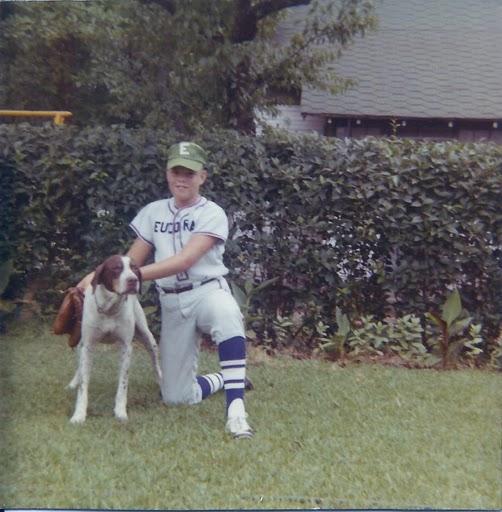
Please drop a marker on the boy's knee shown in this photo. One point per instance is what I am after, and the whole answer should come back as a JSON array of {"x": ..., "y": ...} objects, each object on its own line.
[
  {"x": 227, "y": 329},
  {"x": 189, "y": 395}
]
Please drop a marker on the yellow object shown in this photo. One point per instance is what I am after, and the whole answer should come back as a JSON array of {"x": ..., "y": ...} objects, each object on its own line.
[{"x": 57, "y": 115}]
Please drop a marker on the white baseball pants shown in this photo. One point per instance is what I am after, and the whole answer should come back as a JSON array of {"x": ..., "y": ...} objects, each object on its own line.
[{"x": 209, "y": 309}]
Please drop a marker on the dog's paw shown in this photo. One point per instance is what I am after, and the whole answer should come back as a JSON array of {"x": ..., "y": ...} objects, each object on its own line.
[
  {"x": 121, "y": 415},
  {"x": 77, "y": 419}
]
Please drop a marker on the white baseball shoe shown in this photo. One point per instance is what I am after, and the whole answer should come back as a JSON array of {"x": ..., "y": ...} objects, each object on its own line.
[{"x": 237, "y": 423}]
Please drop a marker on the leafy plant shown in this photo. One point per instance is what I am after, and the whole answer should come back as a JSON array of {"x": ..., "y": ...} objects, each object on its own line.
[
  {"x": 282, "y": 329},
  {"x": 406, "y": 340},
  {"x": 472, "y": 346},
  {"x": 452, "y": 323},
  {"x": 401, "y": 336},
  {"x": 335, "y": 344},
  {"x": 246, "y": 294},
  {"x": 496, "y": 353},
  {"x": 368, "y": 336}
]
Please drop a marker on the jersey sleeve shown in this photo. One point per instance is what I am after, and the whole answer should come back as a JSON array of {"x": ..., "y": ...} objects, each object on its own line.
[
  {"x": 142, "y": 225},
  {"x": 213, "y": 222}
]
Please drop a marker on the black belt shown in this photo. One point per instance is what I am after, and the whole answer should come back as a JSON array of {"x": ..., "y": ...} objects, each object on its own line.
[{"x": 188, "y": 287}]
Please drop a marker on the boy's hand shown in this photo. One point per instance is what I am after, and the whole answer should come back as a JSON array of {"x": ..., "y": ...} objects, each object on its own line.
[{"x": 86, "y": 281}]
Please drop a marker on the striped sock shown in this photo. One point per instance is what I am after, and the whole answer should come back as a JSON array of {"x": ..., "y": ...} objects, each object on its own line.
[
  {"x": 232, "y": 354},
  {"x": 210, "y": 383}
]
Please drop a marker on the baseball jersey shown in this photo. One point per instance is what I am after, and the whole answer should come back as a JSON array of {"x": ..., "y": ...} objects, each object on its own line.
[{"x": 168, "y": 229}]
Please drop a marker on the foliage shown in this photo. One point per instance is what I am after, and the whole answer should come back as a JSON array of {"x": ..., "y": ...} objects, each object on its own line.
[
  {"x": 336, "y": 343},
  {"x": 393, "y": 336},
  {"x": 302, "y": 331},
  {"x": 5, "y": 273},
  {"x": 373, "y": 227},
  {"x": 244, "y": 296},
  {"x": 7, "y": 307},
  {"x": 451, "y": 336},
  {"x": 496, "y": 353},
  {"x": 182, "y": 64},
  {"x": 46, "y": 53},
  {"x": 452, "y": 324}
]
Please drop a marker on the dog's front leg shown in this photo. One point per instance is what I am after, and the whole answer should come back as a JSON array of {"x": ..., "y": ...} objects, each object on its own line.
[
  {"x": 121, "y": 398},
  {"x": 76, "y": 378},
  {"x": 82, "y": 377},
  {"x": 147, "y": 339}
]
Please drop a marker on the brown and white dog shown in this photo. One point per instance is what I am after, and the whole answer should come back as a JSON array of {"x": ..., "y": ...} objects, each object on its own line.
[{"x": 112, "y": 312}]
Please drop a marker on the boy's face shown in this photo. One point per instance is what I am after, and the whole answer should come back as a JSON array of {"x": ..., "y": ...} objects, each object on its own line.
[{"x": 185, "y": 184}]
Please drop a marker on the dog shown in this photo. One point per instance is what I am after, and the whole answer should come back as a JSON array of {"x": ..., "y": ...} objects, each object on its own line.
[{"x": 112, "y": 313}]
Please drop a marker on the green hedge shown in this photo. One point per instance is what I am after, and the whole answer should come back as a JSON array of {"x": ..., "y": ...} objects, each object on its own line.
[{"x": 375, "y": 227}]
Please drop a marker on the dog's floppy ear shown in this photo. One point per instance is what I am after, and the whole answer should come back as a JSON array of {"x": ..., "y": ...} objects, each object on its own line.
[
  {"x": 136, "y": 271},
  {"x": 109, "y": 270},
  {"x": 97, "y": 277}
]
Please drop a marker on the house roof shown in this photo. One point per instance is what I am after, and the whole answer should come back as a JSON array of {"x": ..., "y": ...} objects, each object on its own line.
[{"x": 427, "y": 59}]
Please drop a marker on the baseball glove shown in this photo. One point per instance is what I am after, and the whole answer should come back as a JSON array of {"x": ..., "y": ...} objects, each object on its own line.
[{"x": 69, "y": 317}]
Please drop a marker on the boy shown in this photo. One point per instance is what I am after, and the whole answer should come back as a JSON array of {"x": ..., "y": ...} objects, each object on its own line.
[{"x": 187, "y": 234}]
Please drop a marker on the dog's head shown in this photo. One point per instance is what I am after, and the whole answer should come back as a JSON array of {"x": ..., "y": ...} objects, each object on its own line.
[{"x": 118, "y": 274}]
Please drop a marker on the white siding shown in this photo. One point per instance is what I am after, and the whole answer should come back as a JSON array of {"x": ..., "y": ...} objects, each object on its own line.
[{"x": 290, "y": 118}]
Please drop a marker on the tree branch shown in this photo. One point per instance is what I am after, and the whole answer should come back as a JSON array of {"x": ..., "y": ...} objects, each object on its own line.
[{"x": 267, "y": 7}]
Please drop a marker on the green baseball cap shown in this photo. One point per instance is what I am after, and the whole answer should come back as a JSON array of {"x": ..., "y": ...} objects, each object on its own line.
[{"x": 186, "y": 154}]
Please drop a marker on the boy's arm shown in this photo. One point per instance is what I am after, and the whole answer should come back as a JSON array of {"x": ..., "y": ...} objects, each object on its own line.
[
  {"x": 181, "y": 262},
  {"x": 139, "y": 252}
]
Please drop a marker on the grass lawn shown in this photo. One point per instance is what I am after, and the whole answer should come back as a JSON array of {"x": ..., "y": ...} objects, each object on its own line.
[{"x": 363, "y": 436}]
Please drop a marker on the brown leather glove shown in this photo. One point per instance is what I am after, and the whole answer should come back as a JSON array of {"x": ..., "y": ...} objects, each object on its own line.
[{"x": 69, "y": 317}]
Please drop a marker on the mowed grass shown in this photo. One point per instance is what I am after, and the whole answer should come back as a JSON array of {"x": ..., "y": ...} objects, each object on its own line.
[{"x": 329, "y": 437}]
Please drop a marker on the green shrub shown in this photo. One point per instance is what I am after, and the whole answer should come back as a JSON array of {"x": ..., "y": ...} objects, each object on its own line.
[{"x": 374, "y": 227}]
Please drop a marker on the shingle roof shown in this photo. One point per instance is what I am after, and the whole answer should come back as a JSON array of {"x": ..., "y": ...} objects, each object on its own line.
[{"x": 427, "y": 59}]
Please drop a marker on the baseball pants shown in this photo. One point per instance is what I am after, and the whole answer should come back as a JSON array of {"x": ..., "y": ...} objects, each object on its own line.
[{"x": 209, "y": 309}]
